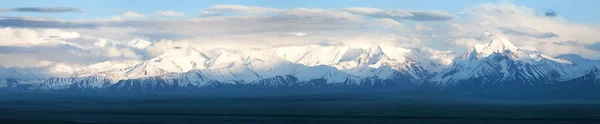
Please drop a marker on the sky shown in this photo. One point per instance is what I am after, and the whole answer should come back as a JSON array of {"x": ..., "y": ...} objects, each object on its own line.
[
  {"x": 40, "y": 33},
  {"x": 573, "y": 10}
]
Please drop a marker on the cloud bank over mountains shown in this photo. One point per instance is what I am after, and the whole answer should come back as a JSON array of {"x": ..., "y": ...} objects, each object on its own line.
[{"x": 32, "y": 42}]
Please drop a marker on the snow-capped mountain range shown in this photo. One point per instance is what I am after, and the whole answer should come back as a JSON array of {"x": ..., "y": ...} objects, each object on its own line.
[{"x": 495, "y": 64}]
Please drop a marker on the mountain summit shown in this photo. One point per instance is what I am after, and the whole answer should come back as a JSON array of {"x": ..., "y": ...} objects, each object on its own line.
[{"x": 498, "y": 45}]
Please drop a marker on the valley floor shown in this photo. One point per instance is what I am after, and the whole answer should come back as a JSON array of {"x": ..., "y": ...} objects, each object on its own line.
[{"x": 302, "y": 108}]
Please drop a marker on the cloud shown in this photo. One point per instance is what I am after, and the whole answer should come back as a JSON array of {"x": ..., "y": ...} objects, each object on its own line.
[
  {"x": 239, "y": 9},
  {"x": 25, "y": 22},
  {"x": 26, "y": 37},
  {"x": 396, "y": 14},
  {"x": 56, "y": 53},
  {"x": 70, "y": 55},
  {"x": 416, "y": 15},
  {"x": 390, "y": 23},
  {"x": 298, "y": 33},
  {"x": 466, "y": 43},
  {"x": 42, "y": 9},
  {"x": 529, "y": 32},
  {"x": 164, "y": 45},
  {"x": 169, "y": 13},
  {"x": 364, "y": 10},
  {"x": 127, "y": 15},
  {"x": 131, "y": 14},
  {"x": 594, "y": 46},
  {"x": 21, "y": 61},
  {"x": 421, "y": 27},
  {"x": 26, "y": 47},
  {"x": 572, "y": 48},
  {"x": 117, "y": 52},
  {"x": 300, "y": 20},
  {"x": 589, "y": 50},
  {"x": 31, "y": 56}
]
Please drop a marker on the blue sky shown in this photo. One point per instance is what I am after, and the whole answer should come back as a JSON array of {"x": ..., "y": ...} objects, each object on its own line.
[{"x": 576, "y": 10}]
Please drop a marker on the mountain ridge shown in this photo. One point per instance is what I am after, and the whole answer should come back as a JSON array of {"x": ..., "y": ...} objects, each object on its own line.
[{"x": 496, "y": 64}]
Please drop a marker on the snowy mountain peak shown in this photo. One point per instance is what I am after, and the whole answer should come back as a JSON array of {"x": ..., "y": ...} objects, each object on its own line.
[
  {"x": 496, "y": 45},
  {"x": 139, "y": 43},
  {"x": 500, "y": 45},
  {"x": 176, "y": 60}
]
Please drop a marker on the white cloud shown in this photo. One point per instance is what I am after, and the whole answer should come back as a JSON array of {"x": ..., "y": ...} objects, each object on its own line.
[
  {"x": 127, "y": 15},
  {"x": 131, "y": 14},
  {"x": 114, "y": 33},
  {"x": 240, "y": 9},
  {"x": 396, "y": 14},
  {"x": 458, "y": 27},
  {"x": 555, "y": 50},
  {"x": 23, "y": 62},
  {"x": 298, "y": 33},
  {"x": 169, "y": 13},
  {"x": 164, "y": 45},
  {"x": 28, "y": 47},
  {"x": 364, "y": 10},
  {"x": 419, "y": 26},
  {"x": 116, "y": 52},
  {"x": 389, "y": 23},
  {"x": 25, "y": 37}
]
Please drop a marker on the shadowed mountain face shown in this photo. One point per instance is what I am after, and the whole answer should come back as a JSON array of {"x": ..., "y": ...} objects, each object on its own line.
[{"x": 496, "y": 65}]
